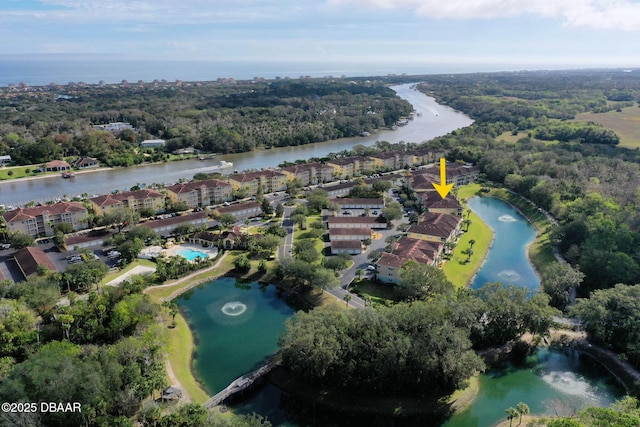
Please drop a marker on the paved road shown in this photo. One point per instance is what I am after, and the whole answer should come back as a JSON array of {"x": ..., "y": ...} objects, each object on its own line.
[{"x": 284, "y": 251}]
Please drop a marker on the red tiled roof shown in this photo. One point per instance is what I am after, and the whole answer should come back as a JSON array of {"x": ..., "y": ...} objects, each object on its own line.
[
  {"x": 57, "y": 164},
  {"x": 329, "y": 188},
  {"x": 30, "y": 258},
  {"x": 22, "y": 214},
  {"x": 205, "y": 235},
  {"x": 361, "y": 201},
  {"x": 433, "y": 200},
  {"x": 436, "y": 224},
  {"x": 71, "y": 241},
  {"x": 453, "y": 169},
  {"x": 422, "y": 181},
  {"x": 384, "y": 155},
  {"x": 112, "y": 199},
  {"x": 251, "y": 176},
  {"x": 178, "y": 219},
  {"x": 407, "y": 249},
  {"x": 355, "y": 220},
  {"x": 346, "y": 244},
  {"x": 84, "y": 160},
  {"x": 235, "y": 208},
  {"x": 188, "y": 187},
  {"x": 342, "y": 161},
  {"x": 299, "y": 168},
  {"x": 350, "y": 231}
]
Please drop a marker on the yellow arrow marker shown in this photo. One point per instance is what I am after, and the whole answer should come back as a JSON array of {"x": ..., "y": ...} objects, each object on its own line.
[{"x": 443, "y": 188}]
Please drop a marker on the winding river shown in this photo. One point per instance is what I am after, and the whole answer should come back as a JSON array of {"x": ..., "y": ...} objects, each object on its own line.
[{"x": 431, "y": 120}]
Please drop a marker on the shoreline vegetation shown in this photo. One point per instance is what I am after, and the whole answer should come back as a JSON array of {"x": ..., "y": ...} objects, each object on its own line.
[
  {"x": 457, "y": 272},
  {"x": 182, "y": 341},
  {"x": 540, "y": 251}
]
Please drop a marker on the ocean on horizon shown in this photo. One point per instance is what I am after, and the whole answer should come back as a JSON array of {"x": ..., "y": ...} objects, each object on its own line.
[{"x": 40, "y": 70}]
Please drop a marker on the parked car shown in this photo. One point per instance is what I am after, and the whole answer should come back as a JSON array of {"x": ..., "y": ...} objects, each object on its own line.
[{"x": 6, "y": 245}]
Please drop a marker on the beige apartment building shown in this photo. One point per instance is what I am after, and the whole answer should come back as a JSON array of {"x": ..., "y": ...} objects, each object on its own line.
[
  {"x": 201, "y": 193},
  {"x": 40, "y": 220},
  {"x": 134, "y": 200}
]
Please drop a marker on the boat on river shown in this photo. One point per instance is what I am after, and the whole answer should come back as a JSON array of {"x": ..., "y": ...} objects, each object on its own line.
[
  {"x": 222, "y": 165},
  {"x": 68, "y": 174}
]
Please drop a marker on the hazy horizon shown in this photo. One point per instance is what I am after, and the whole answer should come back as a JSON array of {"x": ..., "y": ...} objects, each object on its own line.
[{"x": 496, "y": 34}]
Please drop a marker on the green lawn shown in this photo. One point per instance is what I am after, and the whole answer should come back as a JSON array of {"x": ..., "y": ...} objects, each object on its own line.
[
  {"x": 380, "y": 293},
  {"x": 540, "y": 250},
  {"x": 159, "y": 294},
  {"x": 458, "y": 271},
  {"x": 13, "y": 172},
  {"x": 626, "y": 124},
  {"x": 180, "y": 351},
  {"x": 303, "y": 234}
]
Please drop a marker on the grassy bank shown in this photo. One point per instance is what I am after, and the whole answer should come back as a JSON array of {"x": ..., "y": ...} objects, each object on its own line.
[
  {"x": 180, "y": 348},
  {"x": 180, "y": 343},
  {"x": 457, "y": 269},
  {"x": 16, "y": 172}
]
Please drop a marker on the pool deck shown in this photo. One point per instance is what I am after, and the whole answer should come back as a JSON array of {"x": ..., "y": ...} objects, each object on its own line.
[{"x": 174, "y": 250}]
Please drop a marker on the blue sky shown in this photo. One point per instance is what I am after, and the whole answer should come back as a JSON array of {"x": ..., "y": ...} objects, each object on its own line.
[{"x": 504, "y": 33}]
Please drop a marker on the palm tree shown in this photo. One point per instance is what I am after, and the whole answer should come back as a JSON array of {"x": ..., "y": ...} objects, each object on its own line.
[
  {"x": 347, "y": 298},
  {"x": 523, "y": 409},
  {"x": 471, "y": 243},
  {"x": 511, "y": 414},
  {"x": 367, "y": 300}
]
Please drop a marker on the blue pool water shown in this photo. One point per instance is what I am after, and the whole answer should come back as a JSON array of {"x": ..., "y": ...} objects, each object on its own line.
[
  {"x": 192, "y": 254},
  {"x": 507, "y": 261}
]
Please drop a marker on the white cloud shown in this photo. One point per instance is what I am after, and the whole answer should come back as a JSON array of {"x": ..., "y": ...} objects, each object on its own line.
[{"x": 601, "y": 14}]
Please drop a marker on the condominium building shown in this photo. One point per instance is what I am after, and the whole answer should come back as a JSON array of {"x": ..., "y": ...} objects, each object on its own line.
[
  {"x": 201, "y": 193},
  {"x": 268, "y": 180},
  {"x": 134, "y": 200},
  {"x": 40, "y": 220}
]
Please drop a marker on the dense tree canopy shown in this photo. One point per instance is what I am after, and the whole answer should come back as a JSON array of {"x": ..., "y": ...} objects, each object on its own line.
[
  {"x": 395, "y": 353},
  {"x": 213, "y": 117}
]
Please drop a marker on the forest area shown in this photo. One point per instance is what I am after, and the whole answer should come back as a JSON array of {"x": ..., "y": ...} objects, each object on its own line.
[
  {"x": 56, "y": 122},
  {"x": 572, "y": 169},
  {"x": 109, "y": 347}
]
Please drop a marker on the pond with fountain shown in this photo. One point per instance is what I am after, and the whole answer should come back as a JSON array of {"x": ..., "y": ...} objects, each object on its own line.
[{"x": 237, "y": 326}]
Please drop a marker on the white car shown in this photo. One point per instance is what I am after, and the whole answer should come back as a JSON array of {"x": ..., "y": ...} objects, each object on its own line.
[{"x": 371, "y": 267}]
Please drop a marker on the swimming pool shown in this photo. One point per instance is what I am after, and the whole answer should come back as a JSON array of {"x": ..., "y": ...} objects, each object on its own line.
[{"x": 192, "y": 254}]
